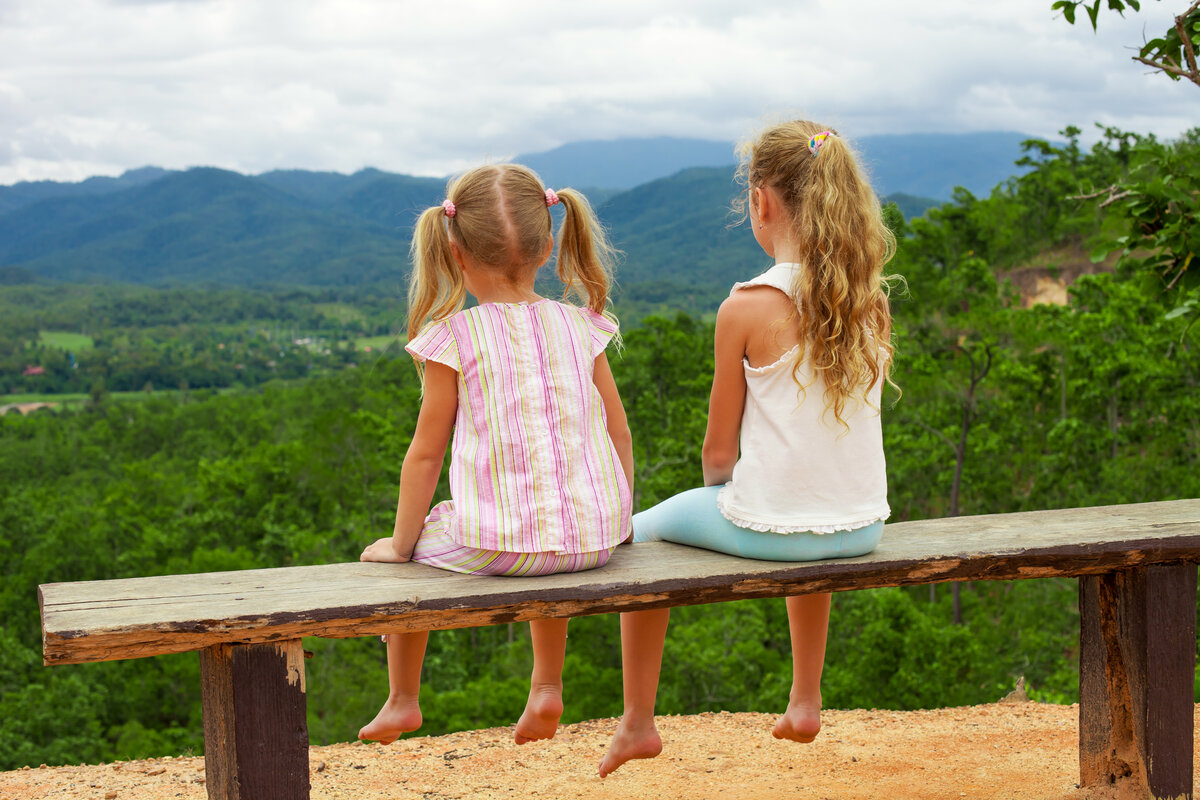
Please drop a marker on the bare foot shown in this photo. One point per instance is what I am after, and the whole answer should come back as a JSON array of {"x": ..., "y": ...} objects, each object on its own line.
[
  {"x": 542, "y": 710},
  {"x": 800, "y": 723},
  {"x": 396, "y": 717},
  {"x": 632, "y": 740}
]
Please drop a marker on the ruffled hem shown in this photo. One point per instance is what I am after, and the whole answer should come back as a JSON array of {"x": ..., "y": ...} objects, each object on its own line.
[{"x": 765, "y": 527}]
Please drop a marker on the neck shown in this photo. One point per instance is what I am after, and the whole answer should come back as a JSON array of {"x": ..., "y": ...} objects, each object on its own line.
[
  {"x": 489, "y": 286},
  {"x": 783, "y": 251}
]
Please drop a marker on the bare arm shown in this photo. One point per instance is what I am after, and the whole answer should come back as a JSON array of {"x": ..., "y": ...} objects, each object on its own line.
[
  {"x": 422, "y": 465},
  {"x": 614, "y": 412},
  {"x": 728, "y": 396}
]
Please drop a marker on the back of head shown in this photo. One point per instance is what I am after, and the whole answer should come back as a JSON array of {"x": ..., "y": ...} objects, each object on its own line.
[
  {"x": 499, "y": 216},
  {"x": 837, "y": 231}
]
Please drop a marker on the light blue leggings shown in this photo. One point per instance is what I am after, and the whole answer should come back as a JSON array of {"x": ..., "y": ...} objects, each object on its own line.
[{"x": 692, "y": 518}]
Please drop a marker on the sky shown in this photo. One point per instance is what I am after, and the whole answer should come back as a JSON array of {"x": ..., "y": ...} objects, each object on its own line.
[{"x": 95, "y": 87}]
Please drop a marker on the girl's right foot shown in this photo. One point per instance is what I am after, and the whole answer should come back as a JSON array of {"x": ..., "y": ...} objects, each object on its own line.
[
  {"x": 396, "y": 717},
  {"x": 542, "y": 711},
  {"x": 800, "y": 723},
  {"x": 632, "y": 740}
]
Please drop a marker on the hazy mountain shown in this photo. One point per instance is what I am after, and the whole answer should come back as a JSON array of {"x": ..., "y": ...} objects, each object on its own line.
[
  {"x": 27, "y": 192},
  {"x": 932, "y": 164},
  {"x": 927, "y": 165},
  {"x": 201, "y": 225},
  {"x": 624, "y": 163},
  {"x": 297, "y": 226}
]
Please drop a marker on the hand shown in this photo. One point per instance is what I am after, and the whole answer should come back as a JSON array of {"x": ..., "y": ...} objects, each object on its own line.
[{"x": 382, "y": 550}]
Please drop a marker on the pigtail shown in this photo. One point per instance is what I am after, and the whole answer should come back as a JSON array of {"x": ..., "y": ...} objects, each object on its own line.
[
  {"x": 436, "y": 289},
  {"x": 585, "y": 257}
]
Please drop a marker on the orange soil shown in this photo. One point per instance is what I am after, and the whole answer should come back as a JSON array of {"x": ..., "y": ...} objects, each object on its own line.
[{"x": 1022, "y": 751}]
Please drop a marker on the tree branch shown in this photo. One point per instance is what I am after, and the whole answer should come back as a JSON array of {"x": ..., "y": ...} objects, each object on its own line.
[
  {"x": 1111, "y": 191},
  {"x": 937, "y": 433},
  {"x": 1168, "y": 64},
  {"x": 1189, "y": 52}
]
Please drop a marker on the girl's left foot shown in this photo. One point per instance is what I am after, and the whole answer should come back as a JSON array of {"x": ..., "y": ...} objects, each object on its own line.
[
  {"x": 395, "y": 718},
  {"x": 800, "y": 723},
  {"x": 540, "y": 720},
  {"x": 635, "y": 738}
]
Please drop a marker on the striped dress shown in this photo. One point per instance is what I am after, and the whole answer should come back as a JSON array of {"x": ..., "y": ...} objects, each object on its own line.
[{"x": 535, "y": 482}]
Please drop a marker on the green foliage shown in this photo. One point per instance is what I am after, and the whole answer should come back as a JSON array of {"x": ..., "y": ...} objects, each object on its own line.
[
  {"x": 1068, "y": 8},
  {"x": 1090, "y": 403}
]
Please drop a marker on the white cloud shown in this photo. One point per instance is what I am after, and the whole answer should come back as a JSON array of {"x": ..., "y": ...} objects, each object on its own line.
[{"x": 90, "y": 87}]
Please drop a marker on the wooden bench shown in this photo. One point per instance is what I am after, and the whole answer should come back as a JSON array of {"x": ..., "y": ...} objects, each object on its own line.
[{"x": 1136, "y": 566}]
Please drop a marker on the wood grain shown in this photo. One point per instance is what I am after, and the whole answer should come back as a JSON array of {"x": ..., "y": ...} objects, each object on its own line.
[
  {"x": 137, "y": 617},
  {"x": 255, "y": 730},
  {"x": 1136, "y": 671}
]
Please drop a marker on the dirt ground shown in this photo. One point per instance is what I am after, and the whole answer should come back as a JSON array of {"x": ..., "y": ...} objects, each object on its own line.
[{"x": 1022, "y": 751}]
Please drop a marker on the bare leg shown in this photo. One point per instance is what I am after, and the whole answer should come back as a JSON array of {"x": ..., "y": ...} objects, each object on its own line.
[
  {"x": 642, "y": 635},
  {"x": 545, "y": 705},
  {"x": 808, "y": 618},
  {"x": 401, "y": 713}
]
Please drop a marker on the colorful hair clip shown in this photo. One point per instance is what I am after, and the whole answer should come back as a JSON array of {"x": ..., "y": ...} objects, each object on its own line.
[
  {"x": 814, "y": 144},
  {"x": 551, "y": 198},
  {"x": 449, "y": 208}
]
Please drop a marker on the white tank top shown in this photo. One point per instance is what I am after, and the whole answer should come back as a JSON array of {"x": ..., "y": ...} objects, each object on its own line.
[{"x": 799, "y": 469}]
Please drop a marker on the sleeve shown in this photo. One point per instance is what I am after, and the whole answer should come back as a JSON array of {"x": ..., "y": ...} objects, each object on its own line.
[
  {"x": 603, "y": 329},
  {"x": 436, "y": 342}
]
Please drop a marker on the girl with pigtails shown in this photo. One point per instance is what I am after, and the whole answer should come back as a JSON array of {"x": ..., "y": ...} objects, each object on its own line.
[
  {"x": 793, "y": 454},
  {"x": 541, "y": 460}
]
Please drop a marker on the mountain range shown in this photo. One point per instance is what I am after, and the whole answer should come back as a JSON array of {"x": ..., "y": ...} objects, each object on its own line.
[{"x": 297, "y": 226}]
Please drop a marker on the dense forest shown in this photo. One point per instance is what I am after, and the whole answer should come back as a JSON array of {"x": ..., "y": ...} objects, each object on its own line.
[{"x": 1005, "y": 406}]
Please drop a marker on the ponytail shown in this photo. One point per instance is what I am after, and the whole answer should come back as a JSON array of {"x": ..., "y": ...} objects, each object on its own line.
[
  {"x": 436, "y": 289},
  {"x": 840, "y": 239},
  {"x": 585, "y": 257}
]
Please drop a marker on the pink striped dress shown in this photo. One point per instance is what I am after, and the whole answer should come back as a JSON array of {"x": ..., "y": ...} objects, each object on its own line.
[{"x": 535, "y": 482}]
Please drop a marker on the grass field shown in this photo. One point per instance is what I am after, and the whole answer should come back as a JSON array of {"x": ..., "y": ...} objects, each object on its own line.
[
  {"x": 379, "y": 343},
  {"x": 66, "y": 341},
  {"x": 340, "y": 311},
  {"x": 68, "y": 399},
  {"x": 6, "y": 399}
]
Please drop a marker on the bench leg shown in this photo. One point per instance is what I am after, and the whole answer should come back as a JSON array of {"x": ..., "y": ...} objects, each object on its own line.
[
  {"x": 255, "y": 729},
  {"x": 1137, "y": 661}
]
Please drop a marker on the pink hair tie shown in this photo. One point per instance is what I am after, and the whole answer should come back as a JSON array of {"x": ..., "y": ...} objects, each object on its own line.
[
  {"x": 449, "y": 208},
  {"x": 815, "y": 143},
  {"x": 551, "y": 197}
]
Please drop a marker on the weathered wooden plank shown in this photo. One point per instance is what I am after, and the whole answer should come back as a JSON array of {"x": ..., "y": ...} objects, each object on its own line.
[
  {"x": 138, "y": 617},
  {"x": 1137, "y": 662},
  {"x": 255, "y": 730}
]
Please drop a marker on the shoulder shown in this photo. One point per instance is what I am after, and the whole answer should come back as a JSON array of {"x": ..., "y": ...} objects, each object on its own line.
[{"x": 754, "y": 305}]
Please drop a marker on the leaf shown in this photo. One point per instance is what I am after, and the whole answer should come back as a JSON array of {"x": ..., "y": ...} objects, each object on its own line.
[
  {"x": 1179, "y": 311},
  {"x": 1100, "y": 253},
  {"x": 1068, "y": 10},
  {"x": 1093, "y": 12}
]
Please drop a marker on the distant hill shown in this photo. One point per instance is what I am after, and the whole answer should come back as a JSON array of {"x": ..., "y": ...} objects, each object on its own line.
[
  {"x": 27, "y": 192},
  {"x": 320, "y": 228},
  {"x": 932, "y": 164},
  {"x": 212, "y": 225},
  {"x": 926, "y": 165},
  {"x": 624, "y": 163},
  {"x": 682, "y": 247}
]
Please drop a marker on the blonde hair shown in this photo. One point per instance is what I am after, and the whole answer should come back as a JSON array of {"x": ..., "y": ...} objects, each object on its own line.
[
  {"x": 844, "y": 322},
  {"x": 502, "y": 220}
]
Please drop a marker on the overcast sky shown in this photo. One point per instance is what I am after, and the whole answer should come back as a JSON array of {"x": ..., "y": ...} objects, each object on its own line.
[{"x": 93, "y": 87}]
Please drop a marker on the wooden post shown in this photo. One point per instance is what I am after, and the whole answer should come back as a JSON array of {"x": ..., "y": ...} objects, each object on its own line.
[
  {"x": 255, "y": 729},
  {"x": 1137, "y": 661}
]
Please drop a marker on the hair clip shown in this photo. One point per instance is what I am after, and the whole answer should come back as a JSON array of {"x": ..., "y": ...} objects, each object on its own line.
[
  {"x": 449, "y": 208},
  {"x": 551, "y": 198},
  {"x": 815, "y": 143}
]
